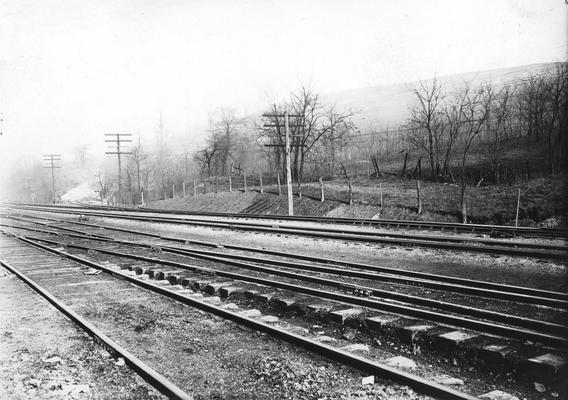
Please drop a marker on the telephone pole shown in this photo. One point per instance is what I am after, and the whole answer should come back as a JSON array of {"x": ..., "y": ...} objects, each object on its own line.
[
  {"x": 51, "y": 160},
  {"x": 287, "y": 147},
  {"x": 28, "y": 181},
  {"x": 118, "y": 140}
]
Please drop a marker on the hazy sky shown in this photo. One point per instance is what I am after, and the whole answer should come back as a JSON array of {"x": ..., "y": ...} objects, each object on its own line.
[{"x": 71, "y": 71}]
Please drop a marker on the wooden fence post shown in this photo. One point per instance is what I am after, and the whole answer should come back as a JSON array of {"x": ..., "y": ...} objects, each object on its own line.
[
  {"x": 194, "y": 188},
  {"x": 142, "y": 197},
  {"x": 350, "y": 192},
  {"x": 245, "y": 179},
  {"x": 173, "y": 190},
  {"x": 518, "y": 204},
  {"x": 418, "y": 196},
  {"x": 279, "y": 186},
  {"x": 261, "y": 188},
  {"x": 230, "y": 184},
  {"x": 183, "y": 187},
  {"x": 299, "y": 189},
  {"x": 381, "y": 191},
  {"x": 322, "y": 195}
]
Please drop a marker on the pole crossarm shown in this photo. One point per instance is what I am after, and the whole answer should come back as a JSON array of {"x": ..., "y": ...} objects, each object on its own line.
[
  {"x": 282, "y": 125},
  {"x": 283, "y": 145},
  {"x": 282, "y": 115}
]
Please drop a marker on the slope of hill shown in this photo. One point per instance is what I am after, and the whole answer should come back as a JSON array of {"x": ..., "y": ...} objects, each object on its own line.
[{"x": 388, "y": 105}]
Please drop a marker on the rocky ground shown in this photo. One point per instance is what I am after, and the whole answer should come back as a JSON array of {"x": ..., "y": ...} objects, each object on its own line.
[
  {"x": 43, "y": 355},
  {"x": 46, "y": 356}
]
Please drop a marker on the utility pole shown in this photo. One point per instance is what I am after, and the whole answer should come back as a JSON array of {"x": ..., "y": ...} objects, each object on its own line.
[
  {"x": 51, "y": 160},
  {"x": 287, "y": 147},
  {"x": 288, "y": 169},
  {"x": 28, "y": 181},
  {"x": 118, "y": 140}
]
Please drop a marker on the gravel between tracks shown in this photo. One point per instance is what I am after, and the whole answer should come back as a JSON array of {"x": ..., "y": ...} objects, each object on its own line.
[
  {"x": 540, "y": 274},
  {"x": 44, "y": 355},
  {"x": 204, "y": 355}
]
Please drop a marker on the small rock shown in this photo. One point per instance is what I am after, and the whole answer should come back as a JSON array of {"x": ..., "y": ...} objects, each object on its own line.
[
  {"x": 448, "y": 380},
  {"x": 53, "y": 385},
  {"x": 539, "y": 387},
  {"x": 119, "y": 362},
  {"x": 368, "y": 380},
  {"x": 253, "y": 313},
  {"x": 92, "y": 271},
  {"x": 498, "y": 395},
  {"x": 356, "y": 347},
  {"x": 34, "y": 383},
  {"x": 349, "y": 335},
  {"x": 269, "y": 319},
  {"x": 74, "y": 390},
  {"x": 402, "y": 363},
  {"x": 52, "y": 360}
]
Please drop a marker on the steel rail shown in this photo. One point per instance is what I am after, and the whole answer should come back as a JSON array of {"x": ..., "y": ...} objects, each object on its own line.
[
  {"x": 376, "y": 276},
  {"x": 469, "y": 286},
  {"x": 521, "y": 230},
  {"x": 482, "y": 326},
  {"x": 154, "y": 378},
  {"x": 245, "y": 225},
  {"x": 441, "y": 305},
  {"x": 487, "y": 293},
  {"x": 362, "y": 236},
  {"x": 363, "y": 364}
]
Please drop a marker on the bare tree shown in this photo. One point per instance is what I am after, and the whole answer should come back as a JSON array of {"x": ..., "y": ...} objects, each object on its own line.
[
  {"x": 556, "y": 115},
  {"x": 498, "y": 128},
  {"x": 312, "y": 121},
  {"x": 136, "y": 168},
  {"x": 472, "y": 119},
  {"x": 102, "y": 184},
  {"x": 337, "y": 138},
  {"x": 205, "y": 158},
  {"x": 427, "y": 118},
  {"x": 224, "y": 135},
  {"x": 81, "y": 154}
]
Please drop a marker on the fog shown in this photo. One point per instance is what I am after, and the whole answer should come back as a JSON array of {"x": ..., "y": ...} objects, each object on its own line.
[{"x": 72, "y": 71}]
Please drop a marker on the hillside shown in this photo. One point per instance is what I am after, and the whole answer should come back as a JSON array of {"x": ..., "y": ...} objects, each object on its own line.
[{"x": 388, "y": 105}]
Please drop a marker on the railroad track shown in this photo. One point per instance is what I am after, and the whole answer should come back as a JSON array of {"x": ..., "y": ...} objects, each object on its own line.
[
  {"x": 503, "y": 230},
  {"x": 452, "y": 243},
  {"x": 288, "y": 268},
  {"x": 23, "y": 262},
  {"x": 552, "y": 334},
  {"x": 229, "y": 270}
]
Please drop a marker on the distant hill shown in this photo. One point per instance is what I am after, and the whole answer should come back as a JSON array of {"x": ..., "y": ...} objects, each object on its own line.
[{"x": 388, "y": 105}]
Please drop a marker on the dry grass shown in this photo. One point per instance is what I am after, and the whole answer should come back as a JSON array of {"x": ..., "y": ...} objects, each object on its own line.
[{"x": 541, "y": 200}]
